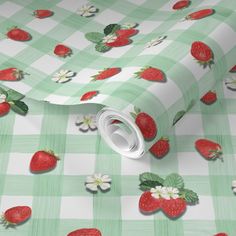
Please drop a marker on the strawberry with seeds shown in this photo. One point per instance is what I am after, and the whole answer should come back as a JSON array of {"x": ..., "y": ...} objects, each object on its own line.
[
  {"x": 151, "y": 74},
  {"x": 233, "y": 69},
  {"x": 86, "y": 232},
  {"x": 221, "y": 234},
  {"x": 4, "y": 108},
  {"x": 145, "y": 123},
  {"x": 208, "y": 149},
  {"x": 200, "y": 14},
  {"x": 89, "y": 95},
  {"x": 126, "y": 33},
  {"x": 209, "y": 98},
  {"x": 16, "y": 215},
  {"x": 18, "y": 34},
  {"x": 118, "y": 42},
  {"x": 181, "y": 4},
  {"x": 11, "y": 74},
  {"x": 106, "y": 73},
  {"x": 160, "y": 148},
  {"x": 174, "y": 208},
  {"x": 62, "y": 50},
  {"x": 43, "y": 161},
  {"x": 41, "y": 14},
  {"x": 202, "y": 53}
]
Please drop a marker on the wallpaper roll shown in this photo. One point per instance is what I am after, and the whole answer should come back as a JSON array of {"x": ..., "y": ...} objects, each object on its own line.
[{"x": 146, "y": 73}]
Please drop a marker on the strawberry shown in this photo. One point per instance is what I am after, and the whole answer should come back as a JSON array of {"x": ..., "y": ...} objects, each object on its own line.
[
  {"x": 202, "y": 53},
  {"x": 42, "y": 13},
  {"x": 4, "y": 108},
  {"x": 233, "y": 69},
  {"x": 89, "y": 95},
  {"x": 209, "y": 98},
  {"x": 160, "y": 148},
  {"x": 120, "y": 41},
  {"x": 199, "y": 14},
  {"x": 148, "y": 204},
  {"x": 151, "y": 74},
  {"x": 11, "y": 74},
  {"x": 181, "y": 4},
  {"x": 18, "y": 34},
  {"x": 16, "y": 215},
  {"x": 221, "y": 234},
  {"x": 208, "y": 149},
  {"x": 106, "y": 73},
  {"x": 43, "y": 161},
  {"x": 145, "y": 123},
  {"x": 85, "y": 232},
  {"x": 174, "y": 208},
  {"x": 126, "y": 33},
  {"x": 62, "y": 50}
]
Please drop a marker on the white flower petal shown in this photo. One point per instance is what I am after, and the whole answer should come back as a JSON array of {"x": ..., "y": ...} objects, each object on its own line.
[
  {"x": 105, "y": 178},
  {"x": 92, "y": 187},
  {"x": 234, "y": 190},
  {"x": 97, "y": 175},
  {"x": 90, "y": 179},
  {"x": 234, "y": 183},
  {"x": 70, "y": 74},
  {"x": 155, "y": 195},
  {"x": 105, "y": 186},
  {"x": 92, "y": 9},
  {"x": 84, "y": 127}
]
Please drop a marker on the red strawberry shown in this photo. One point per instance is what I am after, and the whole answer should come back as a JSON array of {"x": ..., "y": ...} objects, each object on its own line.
[
  {"x": 16, "y": 215},
  {"x": 106, "y": 73},
  {"x": 62, "y": 50},
  {"x": 209, "y": 98},
  {"x": 11, "y": 74},
  {"x": 85, "y": 232},
  {"x": 151, "y": 74},
  {"x": 208, "y": 149},
  {"x": 120, "y": 41},
  {"x": 148, "y": 204},
  {"x": 4, "y": 108},
  {"x": 174, "y": 207},
  {"x": 160, "y": 148},
  {"x": 126, "y": 33},
  {"x": 202, "y": 53},
  {"x": 43, "y": 161},
  {"x": 181, "y": 4},
  {"x": 18, "y": 34},
  {"x": 199, "y": 14},
  {"x": 145, "y": 123},
  {"x": 221, "y": 234},
  {"x": 233, "y": 69},
  {"x": 89, "y": 95},
  {"x": 42, "y": 13}
]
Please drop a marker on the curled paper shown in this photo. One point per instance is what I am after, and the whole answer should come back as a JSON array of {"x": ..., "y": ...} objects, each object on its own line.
[{"x": 155, "y": 69}]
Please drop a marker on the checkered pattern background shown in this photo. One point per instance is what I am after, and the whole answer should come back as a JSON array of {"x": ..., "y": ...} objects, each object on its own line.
[{"x": 59, "y": 200}]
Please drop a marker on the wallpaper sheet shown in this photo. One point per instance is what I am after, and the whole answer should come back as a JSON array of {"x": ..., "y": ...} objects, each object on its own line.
[{"x": 117, "y": 118}]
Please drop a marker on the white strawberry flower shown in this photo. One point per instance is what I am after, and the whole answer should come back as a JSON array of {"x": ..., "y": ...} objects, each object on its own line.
[
  {"x": 129, "y": 25},
  {"x": 86, "y": 122},
  {"x": 172, "y": 192},
  {"x": 234, "y": 186},
  {"x": 3, "y": 98},
  {"x": 155, "y": 42},
  {"x": 165, "y": 192},
  {"x": 230, "y": 83},
  {"x": 98, "y": 181},
  {"x": 110, "y": 38},
  {"x": 158, "y": 192},
  {"x": 63, "y": 76},
  {"x": 87, "y": 10}
]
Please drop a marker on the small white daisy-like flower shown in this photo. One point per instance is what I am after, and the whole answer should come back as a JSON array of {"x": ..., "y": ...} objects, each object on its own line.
[
  {"x": 87, "y": 10},
  {"x": 172, "y": 192},
  {"x": 231, "y": 83},
  {"x": 129, "y": 25},
  {"x": 158, "y": 192},
  {"x": 98, "y": 180},
  {"x": 234, "y": 186},
  {"x": 86, "y": 122},
  {"x": 155, "y": 42},
  {"x": 165, "y": 192},
  {"x": 3, "y": 98},
  {"x": 110, "y": 38},
  {"x": 63, "y": 76}
]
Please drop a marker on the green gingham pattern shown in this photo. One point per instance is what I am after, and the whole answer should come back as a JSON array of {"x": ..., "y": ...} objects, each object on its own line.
[
  {"x": 186, "y": 80},
  {"x": 60, "y": 202}
]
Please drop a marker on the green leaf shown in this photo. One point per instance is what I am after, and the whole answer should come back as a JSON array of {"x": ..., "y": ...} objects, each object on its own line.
[
  {"x": 147, "y": 185},
  {"x": 178, "y": 116},
  {"x": 94, "y": 37},
  {"x": 110, "y": 29},
  {"x": 13, "y": 95},
  {"x": 133, "y": 115},
  {"x": 148, "y": 176},
  {"x": 19, "y": 107},
  {"x": 3, "y": 91},
  {"x": 137, "y": 110},
  {"x": 174, "y": 180},
  {"x": 190, "y": 196},
  {"x": 101, "y": 47}
]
